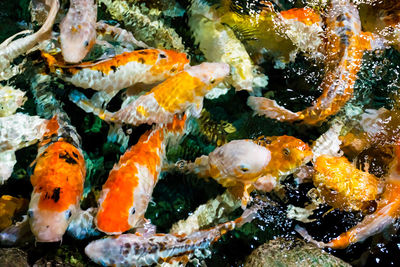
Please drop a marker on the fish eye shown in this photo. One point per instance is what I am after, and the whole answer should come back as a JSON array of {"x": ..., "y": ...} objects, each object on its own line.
[
  {"x": 133, "y": 211},
  {"x": 30, "y": 213},
  {"x": 212, "y": 81},
  {"x": 243, "y": 168},
  {"x": 68, "y": 214},
  {"x": 86, "y": 43},
  {"x": 286, "y": 151}
]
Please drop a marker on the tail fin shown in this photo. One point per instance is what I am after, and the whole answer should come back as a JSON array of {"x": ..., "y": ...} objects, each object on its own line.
[
  {"x": 270, "y": 109},
  {"x": 84, "y": 103}
]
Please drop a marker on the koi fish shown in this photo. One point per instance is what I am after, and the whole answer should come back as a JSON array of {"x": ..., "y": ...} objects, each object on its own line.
[
  {"x": 128, "y": 189},
  {"x": 344, "y": 186},
  {"x": 147, "y": 66},
  {"x": 180, "y": 93},
  {"x": 78, "y": 30},
  {"x": 57, "y": 180},
  {"x": 140, "y": 250},
  {"x": 219, "y": 44},
  {"x": 344, "y": 50},
  {"x": 9, "y": 49},
  {"x": 260, "y": 27},
  {"x": 386, "y": 213},
  {"x": 243, "y": 165}
]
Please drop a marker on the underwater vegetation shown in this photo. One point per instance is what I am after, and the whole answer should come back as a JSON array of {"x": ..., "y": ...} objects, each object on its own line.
[{"x": 199, "y": 133}]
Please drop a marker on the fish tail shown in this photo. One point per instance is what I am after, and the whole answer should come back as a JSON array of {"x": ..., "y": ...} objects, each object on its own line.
[
  {"x": 84, "y": 103},
  {"x": 270, "y": 109}
]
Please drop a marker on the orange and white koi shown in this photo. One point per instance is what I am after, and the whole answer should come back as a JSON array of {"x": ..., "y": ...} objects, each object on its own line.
[
  {"x": 128, "y": 189},
  {"x": 386, "y": 213},
  {"x": 9, "y": 49},
  {"x": 147, "y": 66},
  {"x": 243, "y": 165},
  {"x": 58, "y": 177},
  {"x": 183, "y": 92},
  {"x": 78, "y": 30},
  {"x": 144, "y": 250},
  {"x": 344, "y": 50}
]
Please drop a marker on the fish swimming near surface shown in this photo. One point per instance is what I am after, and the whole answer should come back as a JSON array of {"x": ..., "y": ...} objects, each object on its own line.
[
  {"x": 344, "y": 50},
  {"x": 145, "y": 250},
  {"x": 386, "y": 213},
  {"x": 57, "y": 179},
  {"x": 78, "y": 30},
  {"x": 147, "y": 66},
  {"x": 128, "y": 189},
  {"x": 181, "y": 93},
  {"x": 243, "y": 165}
]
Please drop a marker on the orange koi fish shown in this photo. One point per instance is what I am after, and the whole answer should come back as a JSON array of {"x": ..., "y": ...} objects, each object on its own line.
[
  {"x": 139, "y": 250},
  {"x": 58, "y": 177},
  {"x": 387, "y": 212},
  {"x": 128, "y": 189},
  {"x": 78, "y": 30},
  {"x": 180, "y": 93},
  {"x": 147, "y": 66},
  {"x": 344, "y": 50},
  {"x": 243, "y": 165},
  {"x": 342, "y": 185}
]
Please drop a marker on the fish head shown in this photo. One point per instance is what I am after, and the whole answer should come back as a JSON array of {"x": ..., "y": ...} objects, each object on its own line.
[
  {"x": 48, "y": 225},
  {"x": 240, "y": 161},
  {"x": 168, "y": 62},
  {"x": 287, "y": 153},
  {"x": 210, "y": 74},
  {"x": 76, "y": 41}
]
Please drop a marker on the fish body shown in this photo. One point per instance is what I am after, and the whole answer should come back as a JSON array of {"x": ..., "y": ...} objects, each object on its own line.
[
  {"x": 58, "y": 177},
  {"x": 344, "y": 50},
  {"x": 139, "y": 250},
  {"x": 147, "y": 66},
  {"x": 180, "y": 93},
  {"x": 342, "y": 185},
  {"x": 242, "y": 165},
  {"x": 386, "y": 213},
  {"x": 128, "y": 189},
  {"x": 78, "y": 30}
]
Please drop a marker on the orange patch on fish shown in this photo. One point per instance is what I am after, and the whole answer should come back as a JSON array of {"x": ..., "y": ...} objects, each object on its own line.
[
  {"x": 304, "y": 15},
  {"x": 59, "y": 174}
]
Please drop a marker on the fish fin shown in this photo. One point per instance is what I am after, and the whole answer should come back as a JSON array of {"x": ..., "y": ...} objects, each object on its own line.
[
  {"x": 303, "y": 232},
  {"x": 270, "y": 109},
  {"x": 10, "y": 39},
  {"x": 16, "y": 234},
  {"x": 84, "y": 103},
  {"x": 265, "y": 183},
  {"x": 146, "y": 228},
  {"x": 242, "y": 192}
]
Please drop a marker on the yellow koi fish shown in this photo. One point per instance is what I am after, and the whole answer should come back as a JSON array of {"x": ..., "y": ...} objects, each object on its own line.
[{"x": 180, "y": 93}]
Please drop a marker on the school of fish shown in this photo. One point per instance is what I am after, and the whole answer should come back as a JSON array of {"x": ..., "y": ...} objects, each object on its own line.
[{"x": 168, "y": 90}]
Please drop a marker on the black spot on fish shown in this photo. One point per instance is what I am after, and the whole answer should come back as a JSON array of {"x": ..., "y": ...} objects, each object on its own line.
[
  {"x": 142, "y": 52},
  {"x": 141, "y": 60},
  {"x": 341, "y": 17},
  {"x": 56, "y": 194},
  {"x": 75, "y": 155},
  {"x": 162, "y": 56},
  {"x": 114, "y": 68},
  {"x": 68, "y": 158}
]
